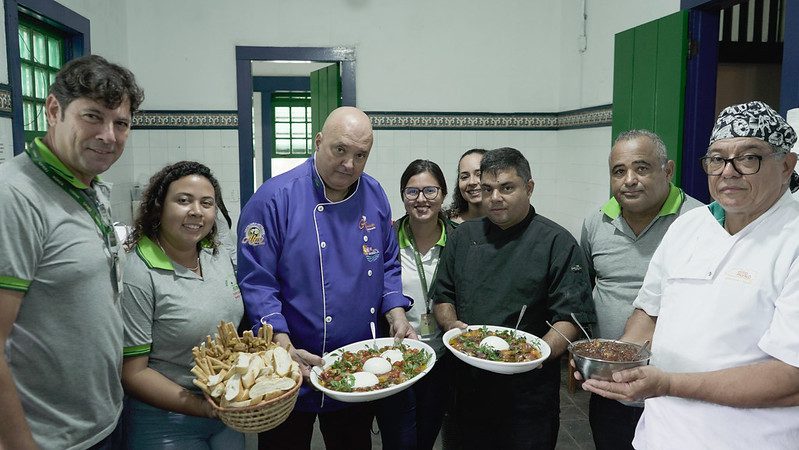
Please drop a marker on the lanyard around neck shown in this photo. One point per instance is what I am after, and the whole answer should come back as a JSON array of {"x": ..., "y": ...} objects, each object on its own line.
[
  {"x": 79, "y": 195},
  {"x": 420, "y": 267}
]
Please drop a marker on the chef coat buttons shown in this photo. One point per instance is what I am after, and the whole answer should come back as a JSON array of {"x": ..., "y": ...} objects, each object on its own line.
[
  {"x": 366, "y": 238},
  {"x": 710, "y": 274},
  {"x": 320, "y": 208},
  {"x": 369, "y": 272},
  {"x": 328, "y": 319},
  {"x": 372, "y": 310},
  {"x": 323, "y": 244}
]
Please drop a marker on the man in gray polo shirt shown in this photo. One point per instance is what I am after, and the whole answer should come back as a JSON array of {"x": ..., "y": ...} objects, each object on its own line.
[
  {"x": 60, "y": 321},
  {"x": 619, "y": 240}
]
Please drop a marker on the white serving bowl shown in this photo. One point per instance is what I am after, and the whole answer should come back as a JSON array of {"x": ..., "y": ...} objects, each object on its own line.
[
  {"x": 499, "y": 366},
  {"x": 357, "y": 397}
]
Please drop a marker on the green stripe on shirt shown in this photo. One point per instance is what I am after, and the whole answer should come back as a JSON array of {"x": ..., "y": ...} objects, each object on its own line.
[
  {"x": 14, "y": 284},
  {"x": 137, "y": 350}
]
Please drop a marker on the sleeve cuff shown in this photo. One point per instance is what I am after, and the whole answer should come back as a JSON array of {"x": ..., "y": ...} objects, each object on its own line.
[
  {"x": 394, "y": 300},
  {"x": 277, "y": 321},
  {"x": 14, "y": 284},
  {"x": 137, "y": 350}
]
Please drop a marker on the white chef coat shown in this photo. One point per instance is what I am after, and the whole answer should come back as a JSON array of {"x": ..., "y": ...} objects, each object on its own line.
[{"x": 723, "y": 301}]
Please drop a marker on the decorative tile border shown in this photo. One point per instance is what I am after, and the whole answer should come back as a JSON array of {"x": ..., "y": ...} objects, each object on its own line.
[
  {"x": 5, "y": 100},
  {"x": 599, "y": 116},
  {"x": 195, "y": 120}
]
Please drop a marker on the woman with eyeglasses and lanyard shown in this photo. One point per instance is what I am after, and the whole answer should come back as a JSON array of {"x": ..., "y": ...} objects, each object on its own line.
[{"x": 422, "y": 233}]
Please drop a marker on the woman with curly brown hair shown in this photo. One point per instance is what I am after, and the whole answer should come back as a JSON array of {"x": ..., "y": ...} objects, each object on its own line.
[{"x": 177, "y": 287}]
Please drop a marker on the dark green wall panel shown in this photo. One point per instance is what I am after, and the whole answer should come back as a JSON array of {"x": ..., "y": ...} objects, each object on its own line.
[{"x": 649, "y": 81}]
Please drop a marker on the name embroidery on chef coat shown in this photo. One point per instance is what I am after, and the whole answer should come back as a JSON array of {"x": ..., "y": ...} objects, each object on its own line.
[
  {"x": 254, "y": 234},
  {"x": 741, "y": 275},
  {"x": 363, "y": 224}
]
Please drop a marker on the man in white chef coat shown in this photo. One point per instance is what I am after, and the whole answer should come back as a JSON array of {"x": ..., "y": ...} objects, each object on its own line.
[{"x": 720, "y": 302}]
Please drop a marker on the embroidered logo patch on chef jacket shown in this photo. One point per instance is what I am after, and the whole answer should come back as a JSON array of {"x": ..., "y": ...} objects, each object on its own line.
[
  {"x": 370, "y": 253},
  {"x": 363, "y": 224},
  {"x": 254, "y": 234}
]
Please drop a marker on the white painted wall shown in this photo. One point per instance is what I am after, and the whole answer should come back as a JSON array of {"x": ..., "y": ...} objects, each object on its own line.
[
  {"x": 3, "y": 54},
  {"x": 448, "y": 55},
  {"x": 587, "y": 78}
]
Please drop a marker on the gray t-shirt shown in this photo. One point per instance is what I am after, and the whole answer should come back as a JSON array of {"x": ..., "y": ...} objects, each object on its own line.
[
  {"x": 618, "y": 259},
  {"x": 168, "y": 309},
  {"x": 64, "y": 349}
]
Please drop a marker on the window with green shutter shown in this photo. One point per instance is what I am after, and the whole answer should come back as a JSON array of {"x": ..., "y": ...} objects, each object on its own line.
[
  {"x": 291, "y": 116},
  {"x": 41, "y": 54}
]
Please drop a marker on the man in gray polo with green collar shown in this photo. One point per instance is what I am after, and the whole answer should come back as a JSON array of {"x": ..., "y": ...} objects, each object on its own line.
[
  {"x": 60, "y": 320},
  {"x": 619, "y": 240}
]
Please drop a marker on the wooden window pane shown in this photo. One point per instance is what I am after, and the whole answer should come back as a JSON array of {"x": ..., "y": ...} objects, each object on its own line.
[
  {"x": 298, "y": 130},
  {"x": 29, "y": 116},
  {"x": 27, "y": 80},
  {"x": 41, "y": 86},
  {"x": 39, "y": 48},
  {"x": 282, "y": 130},
  {"x": 53, "y": 53},
  {"x": 24, "y": 44},
  {"x": 41, "y": 118},
  {"x": 298, "y": 146},
  {"x": 281, "y": 114},
  {"x": 297, "y": 114},
  {"x": 282, "y": 146}
]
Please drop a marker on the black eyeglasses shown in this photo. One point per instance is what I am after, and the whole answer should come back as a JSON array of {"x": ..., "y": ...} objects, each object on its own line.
[
  {"x": 744, "y": 164},
  {"x": 412, "y": 193}
]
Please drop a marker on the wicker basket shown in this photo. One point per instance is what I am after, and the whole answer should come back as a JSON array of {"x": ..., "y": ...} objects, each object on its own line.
[{"x": 261, "y": 417}]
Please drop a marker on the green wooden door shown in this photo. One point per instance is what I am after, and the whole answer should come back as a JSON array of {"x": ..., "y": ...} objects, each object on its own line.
[
  {"x": 325, "y": 95},
  {"x": 649, "y": 71}
]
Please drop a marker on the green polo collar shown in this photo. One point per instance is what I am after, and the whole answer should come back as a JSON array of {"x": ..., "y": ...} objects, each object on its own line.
[
  {"x": 404, "y": 241},
  {"x": 49, "y": 158},
  {"x": 152, "y": 255},
  {"x": 718, "y": 212},
  {"x": 672, "y": 204}
]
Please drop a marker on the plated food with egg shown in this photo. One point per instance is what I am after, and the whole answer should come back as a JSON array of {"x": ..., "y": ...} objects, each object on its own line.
[
  {"x": 372, "y": 369},
  {"x": 497, "y": 349}
]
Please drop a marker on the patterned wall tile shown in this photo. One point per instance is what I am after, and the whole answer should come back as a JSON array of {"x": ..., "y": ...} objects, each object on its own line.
[
  {"x": 186, "y": 120},
  {"x": 5, "y": 99}
]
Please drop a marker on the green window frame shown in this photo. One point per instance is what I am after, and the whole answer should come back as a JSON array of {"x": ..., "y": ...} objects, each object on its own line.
[
  {"x": 41, "y": 54},
  {"x": 291, "y": 125}
]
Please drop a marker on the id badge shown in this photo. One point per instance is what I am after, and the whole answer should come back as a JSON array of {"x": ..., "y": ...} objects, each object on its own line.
[
  {"x": 117, "y": 273},
  {"x": 427, "y": 325}
]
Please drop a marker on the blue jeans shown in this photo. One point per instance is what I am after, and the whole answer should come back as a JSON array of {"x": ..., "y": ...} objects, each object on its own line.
[{"x": 148, "y": 427}]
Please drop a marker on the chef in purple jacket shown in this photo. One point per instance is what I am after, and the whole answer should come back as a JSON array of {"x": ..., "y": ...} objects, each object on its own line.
[{"x": 318, "y": 261}]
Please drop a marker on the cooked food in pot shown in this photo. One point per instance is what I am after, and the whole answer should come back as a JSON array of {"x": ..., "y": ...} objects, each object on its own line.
[
  {"x": 606, "y": 350},
  {"x": 502, "y": 346}
]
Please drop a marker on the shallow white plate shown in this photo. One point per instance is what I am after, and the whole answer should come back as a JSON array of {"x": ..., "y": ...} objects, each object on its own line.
[
  {"x": 499, "y": 366},
  {"x": 357, "y": 397}
]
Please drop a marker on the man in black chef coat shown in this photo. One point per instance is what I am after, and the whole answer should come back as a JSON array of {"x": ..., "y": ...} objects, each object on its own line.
[{"x": 489, "y": 269}]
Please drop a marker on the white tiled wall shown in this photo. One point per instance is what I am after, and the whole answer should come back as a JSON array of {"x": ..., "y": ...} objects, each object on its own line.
[
  {"x": 151, "y": 150},
  {"x": 569, "y": 167}
]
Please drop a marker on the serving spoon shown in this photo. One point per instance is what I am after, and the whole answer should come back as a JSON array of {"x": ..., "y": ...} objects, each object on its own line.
[
  {"x": 558, "y": 331},
  {"x": 374, "y": 335},
  {"x": 581, "y": 327},
  {"x": 641, "y": 350},
  {"x": 518, "y": 322}
]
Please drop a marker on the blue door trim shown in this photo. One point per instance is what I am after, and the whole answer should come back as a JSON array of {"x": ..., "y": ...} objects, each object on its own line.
[{"x": 244, "y": 88}]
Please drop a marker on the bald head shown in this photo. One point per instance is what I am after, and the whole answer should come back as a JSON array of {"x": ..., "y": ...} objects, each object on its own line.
[{"x": 342, "y": 148}]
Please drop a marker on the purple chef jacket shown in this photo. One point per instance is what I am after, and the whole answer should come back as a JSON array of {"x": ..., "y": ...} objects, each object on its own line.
[{"x": 316, "y": 269}]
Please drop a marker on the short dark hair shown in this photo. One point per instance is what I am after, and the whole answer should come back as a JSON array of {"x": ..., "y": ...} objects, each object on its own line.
[
  {"x": 95, "y": 78},
  {"x": 421, "y": 166},
  {"x": 148, "y": 218},
  {"x": 459, "y": 204},
  {"x": 506, "y": 158}
]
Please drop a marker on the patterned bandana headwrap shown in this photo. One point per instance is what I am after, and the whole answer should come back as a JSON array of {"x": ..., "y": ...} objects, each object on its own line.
[{"x": 756, "y": 120}]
